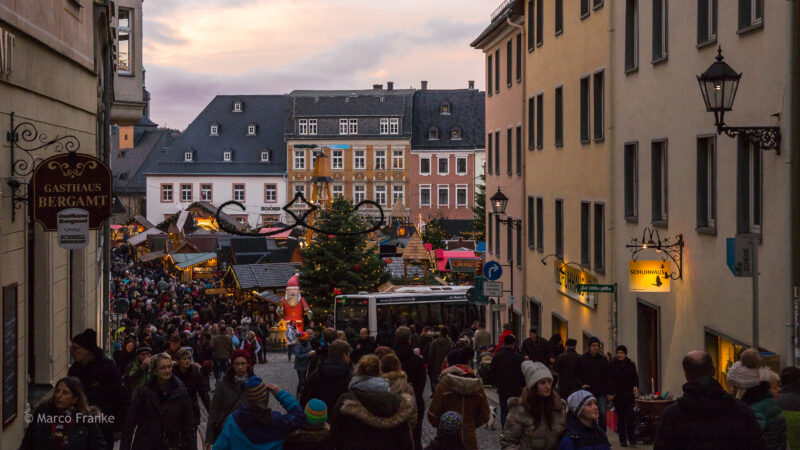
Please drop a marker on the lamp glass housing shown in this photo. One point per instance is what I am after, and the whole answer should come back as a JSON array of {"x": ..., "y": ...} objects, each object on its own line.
[
  {"x": 719, "y": 84},
  {"x": 499, "y": 202}
]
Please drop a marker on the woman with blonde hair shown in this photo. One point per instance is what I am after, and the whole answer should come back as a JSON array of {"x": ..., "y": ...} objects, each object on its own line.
[{"x": 63, "y": 419}]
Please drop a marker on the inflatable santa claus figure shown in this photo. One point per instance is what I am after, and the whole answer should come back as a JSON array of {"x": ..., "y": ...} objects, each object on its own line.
[{"x": 293, "y": 306}]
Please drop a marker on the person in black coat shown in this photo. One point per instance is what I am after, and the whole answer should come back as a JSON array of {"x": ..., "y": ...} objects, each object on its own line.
[
  {"x": 161, "y": 414},
  {"x": 707, "y": 417},
  {"x": 593, "y": 374},
  {"x": 195, "y": 382},
  {"x": 626, "y": 387},
  {"x": 564, "y": 368},
  {"x": 365, "y": 345},
  {"x": 100, "y": 379},
  {"x": 536, "y": 349},
  {"x": 331, "y": 378},
  {"x": 414, "y": 367},
  {"x": 506, "y": 373}
]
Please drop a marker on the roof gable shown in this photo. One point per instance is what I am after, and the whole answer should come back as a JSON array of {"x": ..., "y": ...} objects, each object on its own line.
[{"x": 465, "y": 112}]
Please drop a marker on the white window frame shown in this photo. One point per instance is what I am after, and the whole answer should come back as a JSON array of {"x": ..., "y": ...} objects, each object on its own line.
[
  {"x": 235, "y": 190},
  {"x": 380, "y": 159},
  {"x": 359, "y": 159},
  {"x": 455, "y": 133},
  {"x": 226, "y": 156},
  {"x": 359, "y": 192},
  {"x": 343, "y": 126},
  {"x": 338, "y": 189},
  {"x": 302, "y": 126},
  {"x": 314, "y": 156},
  {"x": 237, "y": 107},
  {"x": 398, "y": 191},
  {"x": 265, "y": 157},
  {"x": 129, "y": 31},
  {"x": 251, "y": 130},
  {"x": 664, "y": 31},
  {"x": 425, "y": 187},
  {"x": 184, "y": 198},
  {"x": 298, "y": 187},
  {"x": 167, "y": 191},
  {"x": 427, "y": 158},
  {"x": 379, "y": 193},
  {"x": 384, "y": 129},
  {"x": 439, "y": 189},
  {"x": 465, "y": 189},
  {"x": 188, "y": 156},
  {"x": 312, "y": 126},
  {"x": 353, "y": 126},
  {"x": 466, "y": 165},
  {"x": 439, "y": 160},
  {"x": 299, "y": 160},
  {"x": 209, "y": 191},
  {"x": 267, "y": 191},
  {"x": 213, "y": 130},
  {"x": 394, "y": 125},
  {"x": 337, "y": 159},
  {"x": 433, "y": 134},
  {"x": 398, "y": 161}
]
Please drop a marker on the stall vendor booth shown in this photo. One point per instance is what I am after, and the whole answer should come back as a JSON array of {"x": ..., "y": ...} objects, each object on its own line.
[
  {"x": 194, "y": 266},
  {"x": 260, "y": 286}
]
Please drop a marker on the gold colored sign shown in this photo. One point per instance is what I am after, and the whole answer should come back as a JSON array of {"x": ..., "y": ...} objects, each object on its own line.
[
  {"x": 568, "y": 278},
  {"x": 649, "y": 276},
  {"x": 213, "y": 291}
]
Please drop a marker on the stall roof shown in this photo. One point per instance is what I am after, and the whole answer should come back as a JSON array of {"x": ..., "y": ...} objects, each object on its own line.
[
  {"x": 441, "y": 261},
  {"x": 184, "y": 260},
  {"x": 264, "y": 276},
  {"x": 281, "y": 235},
  {"x": 270, "y": 297},
  {"x": 151, "y": 256},
  {"x": 142, "y": 237}
]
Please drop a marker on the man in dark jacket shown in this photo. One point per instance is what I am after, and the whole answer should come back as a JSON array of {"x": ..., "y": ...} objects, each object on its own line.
[
  {"x": 506, "y": 372},
  {"x": 100, "y": 379},
  {"x": 536, "y": 349},
  {"x": 593, "y": 373},
  {"x": 365, "y": 345},
  {"x": 437, "y": 351},
  {"x": 707, "y": 417},
  {"x": 564, "y": 368},
  {"x": 414, "y": 367},
  {"x": 626, "y": 386},
  {"x": 331, "y": 378}
]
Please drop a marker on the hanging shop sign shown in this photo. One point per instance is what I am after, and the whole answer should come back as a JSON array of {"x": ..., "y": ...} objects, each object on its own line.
[
  {"x": 649, "y": 276},
  {"x": 567, "y": 281},
  {"x": 67, "y": 181}
]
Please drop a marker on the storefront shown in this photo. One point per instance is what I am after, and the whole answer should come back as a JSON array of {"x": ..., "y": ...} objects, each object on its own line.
[{"x": 194, "y": 266}]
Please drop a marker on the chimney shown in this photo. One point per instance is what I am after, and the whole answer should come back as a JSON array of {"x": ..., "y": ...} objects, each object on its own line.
[
  {"x": 390, "y": 85},
  {"x": 424, "y": 85},
  {"x": 377, "y": 86},
  {"x": 471, "y": 84}
]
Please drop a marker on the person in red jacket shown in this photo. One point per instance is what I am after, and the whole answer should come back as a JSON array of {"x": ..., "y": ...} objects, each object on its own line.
[{"x": 506, "y": 332}]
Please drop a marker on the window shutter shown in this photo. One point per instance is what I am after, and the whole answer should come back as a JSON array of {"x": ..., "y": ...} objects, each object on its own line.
[
  {"x": 584, "y": 7},
  {"x": 702, "y": 21},
  {"x": 531, "y": 134},
  {"x": 539, "y": 21},
  {"x": 744, "y": 14},
  {"x": 702, "y": 183},
  {"x": 658, "y": 29},
  {"x": 742, "y": 187},
  {"x": 630, "y": 34},
  {"x": 489, "y": 155},
  {"x": 530, "y": 25},
  {"x": 599, "y": 105},
  {"x": 584, "y": 110},
  {"x": 497, "y": 153},
  {"x": 559, "y": 16}
]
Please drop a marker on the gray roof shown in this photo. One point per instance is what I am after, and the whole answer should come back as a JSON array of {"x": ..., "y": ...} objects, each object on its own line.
[
  {"x": 466, "y": 111},
  {"x": 263, "y": 276},
  {"x": 130, "y": 165},
  {"x": 510, "y": 9},
  {"x": 266, "y": 112}
]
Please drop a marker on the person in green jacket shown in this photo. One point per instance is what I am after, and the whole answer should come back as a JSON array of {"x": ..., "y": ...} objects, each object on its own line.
[
  {"x": 763, "y": 401},
  {"x": 138, "y": 371}
]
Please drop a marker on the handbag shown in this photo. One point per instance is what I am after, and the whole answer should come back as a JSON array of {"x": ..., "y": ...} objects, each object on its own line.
[{"x": 220, "y": 422}]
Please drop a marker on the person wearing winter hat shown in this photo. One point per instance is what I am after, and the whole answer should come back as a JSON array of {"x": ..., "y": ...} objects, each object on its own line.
[
  {"x": 583, "y": 429},
  {"x": 743, "y": 374},
  {"x": 254, "y": 425},
  {"x": 593, "y": 373},
  {"x": 538, "y": 406},
  {"x": 302, "y": 358},
  {"x": 505, "y": 373},
  {"x": 315, "y": 433},
  {"x": 228, "y": 393},
  {"x": 626, "y": 386},
  {"x": 448, "y": 434}
]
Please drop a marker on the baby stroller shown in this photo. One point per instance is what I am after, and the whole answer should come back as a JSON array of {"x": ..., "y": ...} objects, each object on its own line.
[{"x": 484, "y": 364}]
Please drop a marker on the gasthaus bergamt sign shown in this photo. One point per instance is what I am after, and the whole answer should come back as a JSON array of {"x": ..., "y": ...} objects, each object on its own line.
[{"x": 71, "y": 181}]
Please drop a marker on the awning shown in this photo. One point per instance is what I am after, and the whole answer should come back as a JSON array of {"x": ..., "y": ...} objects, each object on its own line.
[
  {"x": 151, "y": 256},
  {"x": 283, "y": 234},
  {"x": 270, "y": 297},
  {"x": 186, "y": 260},
  {"x": 443, "y": 258},
  {"x": 142, "y": 237}
]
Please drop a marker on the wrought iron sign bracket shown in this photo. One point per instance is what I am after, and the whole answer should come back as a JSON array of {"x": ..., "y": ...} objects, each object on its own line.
[
  {"x": 671, "y": 248},
  {"x": 767, "y": 138}
]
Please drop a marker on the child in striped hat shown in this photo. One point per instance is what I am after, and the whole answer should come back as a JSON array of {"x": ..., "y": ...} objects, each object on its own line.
[{"x": 316, "y": 433}]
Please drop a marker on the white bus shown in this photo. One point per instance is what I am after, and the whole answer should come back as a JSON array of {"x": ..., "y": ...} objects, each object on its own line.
[{"x": 422, "y": 305}]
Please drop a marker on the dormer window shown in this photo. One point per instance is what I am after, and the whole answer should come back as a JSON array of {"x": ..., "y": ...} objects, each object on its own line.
[
  {"x": 237, "y": 106},
  {"x": 433, "y": 134},
  {"x": 226, "y": 156},
  {"x": 455, "y": 133},
  {"x": 444, "y": 108},
  {"x": 251, "y": 130},
  {"x": 214, "y": 130},
  {"x": 187, "y": 156},
  {"x": 265, "y": 157}
]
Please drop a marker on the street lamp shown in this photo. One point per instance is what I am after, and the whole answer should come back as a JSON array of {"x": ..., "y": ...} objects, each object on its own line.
[
  {"x": 499, "y": 203},
  {"x": 718, "y": 84}
]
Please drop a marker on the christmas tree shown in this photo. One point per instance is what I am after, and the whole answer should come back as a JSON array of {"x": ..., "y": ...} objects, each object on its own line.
[
  {"x": 479, "y": 211},
  {"x": 433, "y": 233},
  {"x": 344, "y": 263}
]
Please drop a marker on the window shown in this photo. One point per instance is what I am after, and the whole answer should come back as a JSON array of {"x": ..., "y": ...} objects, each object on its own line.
[
  {"x": 461, "y": 165},
  {"x": 706, "y": 22},
  {"x": 748, "y": 187},
  {"x": 314, "y": 155},
  {"x": 337, "y": 159},
  {"x": 497, "y": 153},
  {"x": 186, "y": 192},
  {"x": 631, "y": 35},
  {"x": 509, "y": 243},
  {"x": 584, "y": 9},
  {"x": 398, "y": 194},
  {"x": 241, "y": 219},
  {"x": 489, "y": 155},
  {"x": 312, "y": 126},
  {"x": 455, "y": 133},
  {"x": 425, "y": 195},
  {"x": 530, "y": 222},
  {"x": 270, "y": 193},
  {"x": 585, "y": 110},
  {"x": 497, "y": 236},
  {"x": 206, "y": 192},
  {"x": 342, "y": 126},
  {"x": 751, "y": 14},
  {"x": 433, "y": 133},
  {"x": 531, "y": 32},
  {"x": 539, "y": 224},
  {"x": 497, "y": 70},
  {"x": 251, "y": 130},
  {"x": 444, "y": 109},
  {"x": 519, "y": 150},
  {"x": 384, "y": 128},
  {"x": 265, "y": 157},
  {"x": 302, "y": 126},
  {"x": 425, "y": 165},
  {"x": 124, "y": 42},
  {"x": 398, "y": 160},
  {"x": 585, "y": 219},
  {"x": 226, "y": 156},
  {"x": 489, "y": 77},
  {"x": 519, "y": 57},
  {"x": 531, "y": 129},
  {"x": 559, "y": 228},
  {"x": 659, "y": 180},
  {"x": 706, "y": 183},
  {"x": 631, "y": 181},
  {"x": 359, "y": 193},
  {"x": 540, "y": 121},
  {"x": 559, "y": 119},
  {"x": 187, "y": 156},
  {"x": 299, "y": 160},
  {"x": 461, "y": 195},
  {"x": 559, "y": 17},
  {"x": 599, "y": 106},
  {"x": 237, "y": 106},
  {"x": 509, "y": 152},
  {"x": 597, "y": 4},
  {"x": 300, "y": 188},
  {"x": 359, "y": 159},
  {"x": 353, "y": 129},
  {"x": 519, "y": 248},
  {"x": 659, "y": 30},
  {"x": 238, "y": 192},
  {"x": 443, "y": 195},
  {"x": 539, "y": 22},
  {"x": 444, "y": 165},
  {"x": 599, "y": 238},
  {"x": 489, "y": 229},
  {"x": 509, "y": 61},
  {"x": 338, "y": 190},
  {"x": 213, "y": 130},
  {"x": 394, "y": 126},
  {"x": 380, "y": 194}
]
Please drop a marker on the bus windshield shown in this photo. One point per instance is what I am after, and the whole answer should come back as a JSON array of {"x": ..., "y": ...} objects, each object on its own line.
[
  {"x": 352, "y": 314},
  {"x": 456, "y": 315}
]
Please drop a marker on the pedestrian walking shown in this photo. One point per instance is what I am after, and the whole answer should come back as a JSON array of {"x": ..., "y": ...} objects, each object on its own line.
[
  {"x": 254, "y": 425},
  {"x": 262, "y": 332},
  {"x": 789, "y": 396},
  {"x": 593, "y": 374},
  {"x": 221, "y": 350},
  {"x": 437, "y": 351},
  {"x": 161, "y": 414},
  {"x": 506, "y": 332},
  {"x": 506, "y": 374},
  {"x": 228, "y": 394},
  {"x": 54, "y": 423},
  {"x": 196, "y": 384},
  {"x": 707, "y": 417},
  {"x": 138, "y": 372},
  {"x": 448, "y": 433},
  {"x": 535, "y": 348},
  {"x": 332, "y": 378},
  {"x": 583, "y": 429},
  {"x": 538, "y": 418},
  {"x": 251, "y": 345},
  {"x": 315, "y": 433},
  {"x": 291, "y": 337},
  {"x": 556, "y": 347},
  {"x": 414, "y": 367},
  {"x": 564, "y": 368},
  {"x": 626, "y": 387},
  {"x": 481, "y": 339},
  {"x": 302, "y": 356},
  {"x": 365, "y": 345}
]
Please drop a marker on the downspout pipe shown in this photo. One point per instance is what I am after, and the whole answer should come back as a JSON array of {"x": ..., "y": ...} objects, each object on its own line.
[
  {"x": 523, "y": 297},
  {"x": 107, "y": 86},
  {"x": 610, "y": 130},
  {"x": 790, "y": 144}
]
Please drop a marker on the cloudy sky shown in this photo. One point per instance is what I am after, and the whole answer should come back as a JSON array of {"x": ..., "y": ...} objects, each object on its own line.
[{"x": 195, "y": 49}]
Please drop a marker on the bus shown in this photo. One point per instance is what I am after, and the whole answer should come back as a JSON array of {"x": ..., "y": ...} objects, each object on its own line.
[{"x": 406, "y": 305}]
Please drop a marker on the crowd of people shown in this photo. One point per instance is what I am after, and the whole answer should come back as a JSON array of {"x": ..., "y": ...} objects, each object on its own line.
[{"x": 356, "y": 391}]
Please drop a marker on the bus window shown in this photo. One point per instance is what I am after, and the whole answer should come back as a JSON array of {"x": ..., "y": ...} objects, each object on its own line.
[{"x": 351, "y": 316}]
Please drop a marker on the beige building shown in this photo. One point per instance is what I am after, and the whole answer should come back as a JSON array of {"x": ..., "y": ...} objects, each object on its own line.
[
  {"x": 673, "y": 173},
  {"x": 50, "y": 74},
  {"x": 502, "y": 44}
]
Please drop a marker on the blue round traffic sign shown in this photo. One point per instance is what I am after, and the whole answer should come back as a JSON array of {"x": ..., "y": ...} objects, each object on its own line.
[{"x": 492, "y": 270}]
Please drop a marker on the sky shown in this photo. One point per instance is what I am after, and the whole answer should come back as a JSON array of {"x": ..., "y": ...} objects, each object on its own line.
[{"x": 196, "y": 49}]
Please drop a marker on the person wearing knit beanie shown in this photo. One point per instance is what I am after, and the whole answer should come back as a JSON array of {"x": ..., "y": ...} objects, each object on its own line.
[
  {"x": 583, "y": 427},
  {"x": 535, "y": 372},
  {"x": 450, "y": 423},
  {"x": 578, "y": 400},
  {"x": 87, "y": 339},
  {"x": 744, "y": 374},
  {"x": 240, "y": 354},
  {"x": 316, "y": 413},
  {"x": 256, "y": 391}
]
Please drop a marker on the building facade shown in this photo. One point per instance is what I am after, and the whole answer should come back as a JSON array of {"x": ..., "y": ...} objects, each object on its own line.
[
  {"x": 448, "y": 132},
  {"x": 233, "y": 150},
  {"x": 502, "y": 44},
  {"x": 366, "y": 137}
]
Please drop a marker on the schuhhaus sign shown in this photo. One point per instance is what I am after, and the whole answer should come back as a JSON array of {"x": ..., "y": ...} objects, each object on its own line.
[{"x": 75, "y": 182}]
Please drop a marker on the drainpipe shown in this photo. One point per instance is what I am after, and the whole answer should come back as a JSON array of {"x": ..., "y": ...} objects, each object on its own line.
[
  {"x": 522, "y": 297},
  {"x": 107, "y": 82},
  {"x": 610, "y": 213},
  {"x": 793, "y": 77}
]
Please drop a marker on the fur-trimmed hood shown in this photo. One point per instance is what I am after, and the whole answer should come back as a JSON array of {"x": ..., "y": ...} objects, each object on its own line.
[
  {"x": 308, "y": 435},
  {"x": 460, "y": 380},
  {"x": 354, "y": 407},
  {"x": 398, "y": 380}
]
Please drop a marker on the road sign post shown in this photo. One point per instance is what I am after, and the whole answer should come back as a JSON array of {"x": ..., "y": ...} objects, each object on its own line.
[
  {"x": 492, "y": 270},
  {"x": 493, "y": 289},
  {"x": 607, "y": 288}
]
